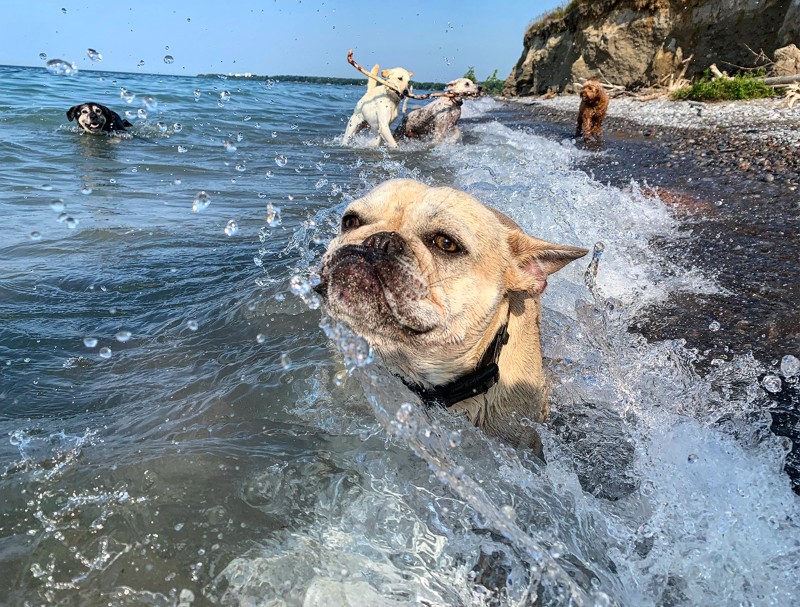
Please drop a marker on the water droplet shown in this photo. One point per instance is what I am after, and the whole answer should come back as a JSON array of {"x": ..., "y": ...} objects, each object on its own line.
[
  {"x": 94, "y": 55},
  {"x": 123, "y": 336},
  {"x": 178, "y": 526},
  {"x": 714, "y": 326},
  {"x": 112, "y": 181},
  {"x": 241, "y": 167},
  {"x": 177, "y": 127},
  {"x": 273, "y": 215},
  {"x": 43, "y": 56},
  {"x": 89, "y": 342},
  {"x": 274, "y": 134},
  {"x": 772, "y": 383},
  {"x": 142, "y": 113},
  {"x": 57, "y": 205},
  {"x": 281, "y": 160},
  {"x": 286, "y": 362},
  {"x": 176, "y": 182},
  {"x": 86, "y": 191},
  {"x": 141, "y": 63},
  {"x": 197, "y": 94},
  {"x": 224, "y": 97},
  {"x": 59, "y": 67},
  {"x": 340, "y": 378},
  {"x": 126, "y": 95},
  {"x": 192, "y": 325},
  {"x": 182, "y": 149},
  {"x": 511, "y": 514},
  {"x": 105, "y": 352},
  {"x": 150, "y": 103},
  {"x": 321, "y": 184},
  {"x": 36, "y": 236},
  {"x": 790, "y": 366},
  {"x": 692, "y": 458},
  {"x": 62, "y": 217},
  {"x": 168, "y": 59},
  {"x": 261, "y": 338},
  {"x": 201, "y": 202},
  {"x": 261, "y": 195},
  {"x": 231, "y": 227},
  {"x": 71, "y": 223},
  {"x": 269, "y": 174},
  {"x": 293, "y": 127},
  {"x": 229, "y": 146},
  {"x": 63, "y": 10},
  {"x": 161, "y": 127}
]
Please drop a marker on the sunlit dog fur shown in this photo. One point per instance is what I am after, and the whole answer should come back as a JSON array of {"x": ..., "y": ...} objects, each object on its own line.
[
  {"x": 97, "y": 118},
  {"x": 438, "y": 120},
  {"x": 592, "y": 111},
  {"x": 378, "y": 108},
  {"x": 428, "y": 276}
]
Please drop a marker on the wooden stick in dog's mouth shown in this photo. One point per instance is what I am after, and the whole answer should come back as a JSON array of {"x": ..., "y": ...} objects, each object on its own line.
[{"x": 400, "y": 94}]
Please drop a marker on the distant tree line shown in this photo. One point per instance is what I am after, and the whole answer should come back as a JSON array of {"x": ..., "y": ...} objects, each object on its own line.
[
  {"x": 427, "y": 86},
  {"x": 491, "y": 86}
]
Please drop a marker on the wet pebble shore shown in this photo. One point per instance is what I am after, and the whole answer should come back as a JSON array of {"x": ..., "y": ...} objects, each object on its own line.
[
  {"x": 731, "y": 173},
  {"x": 755, "y": 139}
]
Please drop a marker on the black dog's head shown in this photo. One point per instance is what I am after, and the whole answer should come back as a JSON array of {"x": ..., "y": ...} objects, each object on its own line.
[{"x": 96, "y": 118}]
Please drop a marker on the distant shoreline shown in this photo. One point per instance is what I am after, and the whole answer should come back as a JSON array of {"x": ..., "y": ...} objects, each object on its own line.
[{"x": 428, "y": 86}]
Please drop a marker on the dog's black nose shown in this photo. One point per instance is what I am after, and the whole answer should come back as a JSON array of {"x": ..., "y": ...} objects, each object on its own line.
[{"x": 388, "y": 242}]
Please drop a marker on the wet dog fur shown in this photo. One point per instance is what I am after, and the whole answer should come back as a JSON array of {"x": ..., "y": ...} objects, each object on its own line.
[
  {"x": 592, "y": 111},
  {"x": 429, "y": 276},
  {"x": 438, "y": 120},
  {"x": 96, "y": 118},
  {"x": 378, "y": 108}
]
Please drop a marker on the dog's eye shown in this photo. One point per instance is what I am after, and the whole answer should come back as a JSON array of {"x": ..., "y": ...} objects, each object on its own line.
[
  {"x": 446, "y": 244},
  {"x": 350, "y": 222}
]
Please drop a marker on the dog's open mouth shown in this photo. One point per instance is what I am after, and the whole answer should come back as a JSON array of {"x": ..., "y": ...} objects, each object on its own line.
[{"x": 375, "y": 290}]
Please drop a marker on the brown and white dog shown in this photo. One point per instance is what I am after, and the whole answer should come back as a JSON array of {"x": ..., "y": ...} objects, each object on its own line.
[
  {"x": 97, "y": 118},
  {"x": 446, "y": 291},
  {"x": 377, "y": 109},
  {"x": 592, "y": 111},
  {"x": 439, "y": 119}
]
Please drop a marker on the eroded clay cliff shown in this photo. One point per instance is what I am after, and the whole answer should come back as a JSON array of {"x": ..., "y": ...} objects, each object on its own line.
[{"x": 636, "y": 43}]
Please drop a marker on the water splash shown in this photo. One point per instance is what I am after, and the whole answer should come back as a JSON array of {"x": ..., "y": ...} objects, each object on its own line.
[{"x": 60, "y": 67}]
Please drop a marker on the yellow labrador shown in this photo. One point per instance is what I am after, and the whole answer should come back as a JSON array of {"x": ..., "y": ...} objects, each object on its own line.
[{"x": 378, "y": 108}]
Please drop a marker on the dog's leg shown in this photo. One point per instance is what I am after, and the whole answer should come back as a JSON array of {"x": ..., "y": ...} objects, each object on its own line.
[
  {"x": 580, "y": 122},
  {"x": 587, "y": 125},
  {"x": 352, "y": 129},
  {"x": 386, "y": 133}
]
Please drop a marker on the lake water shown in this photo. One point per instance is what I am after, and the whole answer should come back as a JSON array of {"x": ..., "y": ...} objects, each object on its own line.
[{"x": 176, "y": 428}]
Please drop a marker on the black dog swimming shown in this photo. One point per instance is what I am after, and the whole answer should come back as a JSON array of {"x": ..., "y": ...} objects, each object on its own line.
[{"x": 97, "y": 118}]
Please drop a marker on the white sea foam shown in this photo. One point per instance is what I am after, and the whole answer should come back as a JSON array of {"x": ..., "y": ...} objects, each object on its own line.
[{"x": 662, "y": 486}]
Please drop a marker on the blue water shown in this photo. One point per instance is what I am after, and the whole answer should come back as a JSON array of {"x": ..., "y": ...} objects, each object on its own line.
[{"x": 221, "y": 452}]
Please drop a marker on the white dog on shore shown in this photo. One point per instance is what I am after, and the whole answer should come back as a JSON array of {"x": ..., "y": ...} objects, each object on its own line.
[{"x": 378, "y": 108}]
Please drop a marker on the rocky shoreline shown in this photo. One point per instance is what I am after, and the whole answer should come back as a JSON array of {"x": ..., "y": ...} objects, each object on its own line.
[{"x": 731, "y": 173}]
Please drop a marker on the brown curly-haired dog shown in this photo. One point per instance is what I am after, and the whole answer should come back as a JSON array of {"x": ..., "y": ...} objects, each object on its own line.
[{"x": 594, "y": 104}]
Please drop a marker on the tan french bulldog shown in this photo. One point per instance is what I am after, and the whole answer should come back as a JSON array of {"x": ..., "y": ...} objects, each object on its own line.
[{"x": 446, "y": 291}]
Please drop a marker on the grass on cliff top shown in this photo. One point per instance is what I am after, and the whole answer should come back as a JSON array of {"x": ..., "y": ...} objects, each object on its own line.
[{"x": 741, "y": 86}]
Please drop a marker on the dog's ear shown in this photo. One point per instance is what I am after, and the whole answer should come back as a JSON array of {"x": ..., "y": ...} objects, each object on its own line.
[
  {"x": 107, "y": 114},
  {"x": 125, "y": 123},
  {"x": 536, "y": 260},
  {"x": 385, "y": 73},
  {"x": 72, "y": 112}
]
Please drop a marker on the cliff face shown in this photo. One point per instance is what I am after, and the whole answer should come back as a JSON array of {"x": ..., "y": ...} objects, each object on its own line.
[{"x": 638, "y": 42}]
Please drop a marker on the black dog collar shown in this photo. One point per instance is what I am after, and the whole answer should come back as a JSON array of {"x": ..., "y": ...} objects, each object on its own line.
[{"x": 477, "y": 382}]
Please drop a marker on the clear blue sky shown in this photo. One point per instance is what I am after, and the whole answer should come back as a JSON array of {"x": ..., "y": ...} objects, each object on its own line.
[{"x": 437, "y": 39}]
